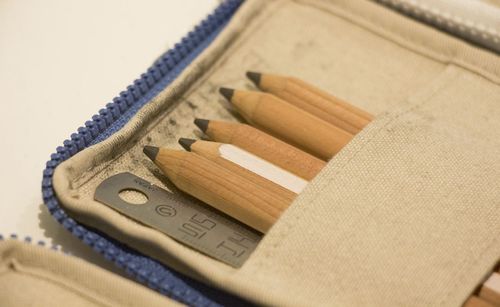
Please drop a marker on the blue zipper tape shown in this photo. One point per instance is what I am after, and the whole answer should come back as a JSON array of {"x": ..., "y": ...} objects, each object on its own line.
[{"x": 109, "y": 120}]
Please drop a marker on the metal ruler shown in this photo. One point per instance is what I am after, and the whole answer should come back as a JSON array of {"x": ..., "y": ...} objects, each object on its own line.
[{"x": 186, "y": 220}]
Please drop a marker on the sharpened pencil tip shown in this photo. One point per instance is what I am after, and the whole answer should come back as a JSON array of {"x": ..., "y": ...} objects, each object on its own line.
[
  {"x": 254, "y": 77},
  {"x": 186, "y": 143},
  {"x": 151, "y": 152},
  {"x": 226, "y": 92},
  {"x": 202, "y": 124}
]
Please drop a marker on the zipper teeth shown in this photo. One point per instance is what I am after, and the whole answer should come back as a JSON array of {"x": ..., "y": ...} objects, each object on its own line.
[
  {"x": 93, "y": 130},
  {"x": 29, "y": 240}
]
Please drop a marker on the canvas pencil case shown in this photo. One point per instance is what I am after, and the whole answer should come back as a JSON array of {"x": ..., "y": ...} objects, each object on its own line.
[
  {"x": 406, "y": 214},
  {"x": 34, "y": 275}
]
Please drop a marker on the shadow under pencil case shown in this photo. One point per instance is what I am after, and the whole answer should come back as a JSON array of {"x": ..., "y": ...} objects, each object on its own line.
[{"x": 406, "y": 214}]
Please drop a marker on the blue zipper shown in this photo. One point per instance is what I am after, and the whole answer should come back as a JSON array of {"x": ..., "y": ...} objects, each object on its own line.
[
  {"x": 28, "y": 240},
  {"x": 109, "y": 120}
]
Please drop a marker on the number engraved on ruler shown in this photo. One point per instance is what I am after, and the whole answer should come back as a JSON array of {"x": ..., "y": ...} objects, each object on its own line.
[
  {"x": 197, "y": 227},
  {"x": 235, "y": 244},
  {"x": 185, "y": 220}
]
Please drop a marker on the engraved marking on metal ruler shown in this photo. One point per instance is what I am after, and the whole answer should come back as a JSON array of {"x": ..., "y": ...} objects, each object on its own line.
[{"x": 188, "y": 221}]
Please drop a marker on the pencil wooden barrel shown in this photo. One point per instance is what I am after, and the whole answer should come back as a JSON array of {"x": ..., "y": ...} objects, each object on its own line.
[
  {"x": 490, "y": 290},
  {"x": 280, "y": 186},
  {"x": 475, "y": 301},
  {"x": 263, "y": 145},
  {"x": 290, "y": 123},
  {"x": 315, "y": 101},
  {"x": 220, "y": 188}
]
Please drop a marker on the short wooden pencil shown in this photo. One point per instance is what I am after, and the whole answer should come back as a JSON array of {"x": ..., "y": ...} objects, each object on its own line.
[
  {"x": 490, "y": 290},
  {"x": 248, "y": 165},
  {"x": 313, "y": 100},
  {"x": 288, "y": 122},
  {"x": 475, "y": 301},
  {"x": 220, "y": 188},
  {"x": 263, "y": 145}
]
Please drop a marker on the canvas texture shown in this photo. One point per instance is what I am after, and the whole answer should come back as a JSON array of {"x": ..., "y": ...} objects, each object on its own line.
[
  {"x": 406, "y": 214},
  {"x": 476, "y": 21},
  {"x": 36, "y": 276}
]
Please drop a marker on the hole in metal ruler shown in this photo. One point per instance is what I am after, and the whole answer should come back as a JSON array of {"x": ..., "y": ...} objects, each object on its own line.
[{"x": 133, "y": 196}]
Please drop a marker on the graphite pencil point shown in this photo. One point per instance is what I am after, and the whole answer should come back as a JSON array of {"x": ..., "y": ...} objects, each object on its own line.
[
  {"x": 202, "y": 124},
  {"x": 186, "y": 143},
  {"x": 226, "y": 92},
  {"x": 151, "y": 152},
  {"x": 254, "y": 77}
]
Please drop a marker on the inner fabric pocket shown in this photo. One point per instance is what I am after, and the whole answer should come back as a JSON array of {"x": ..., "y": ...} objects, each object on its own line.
[
  {"x": 364, "y": 203},
  {"x": 396, "y": 218}
]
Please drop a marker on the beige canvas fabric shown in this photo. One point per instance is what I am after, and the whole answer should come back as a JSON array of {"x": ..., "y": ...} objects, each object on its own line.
[
  {"x": 476, "y": 21},
  {"x": 493, "y": 2},
  {"x": 36, "y": 276},
  {"x": 407, "y": 214}
]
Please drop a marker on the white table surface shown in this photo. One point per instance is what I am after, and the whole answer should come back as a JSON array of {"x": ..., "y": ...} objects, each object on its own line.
[{"x": 60, "y": 62}]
